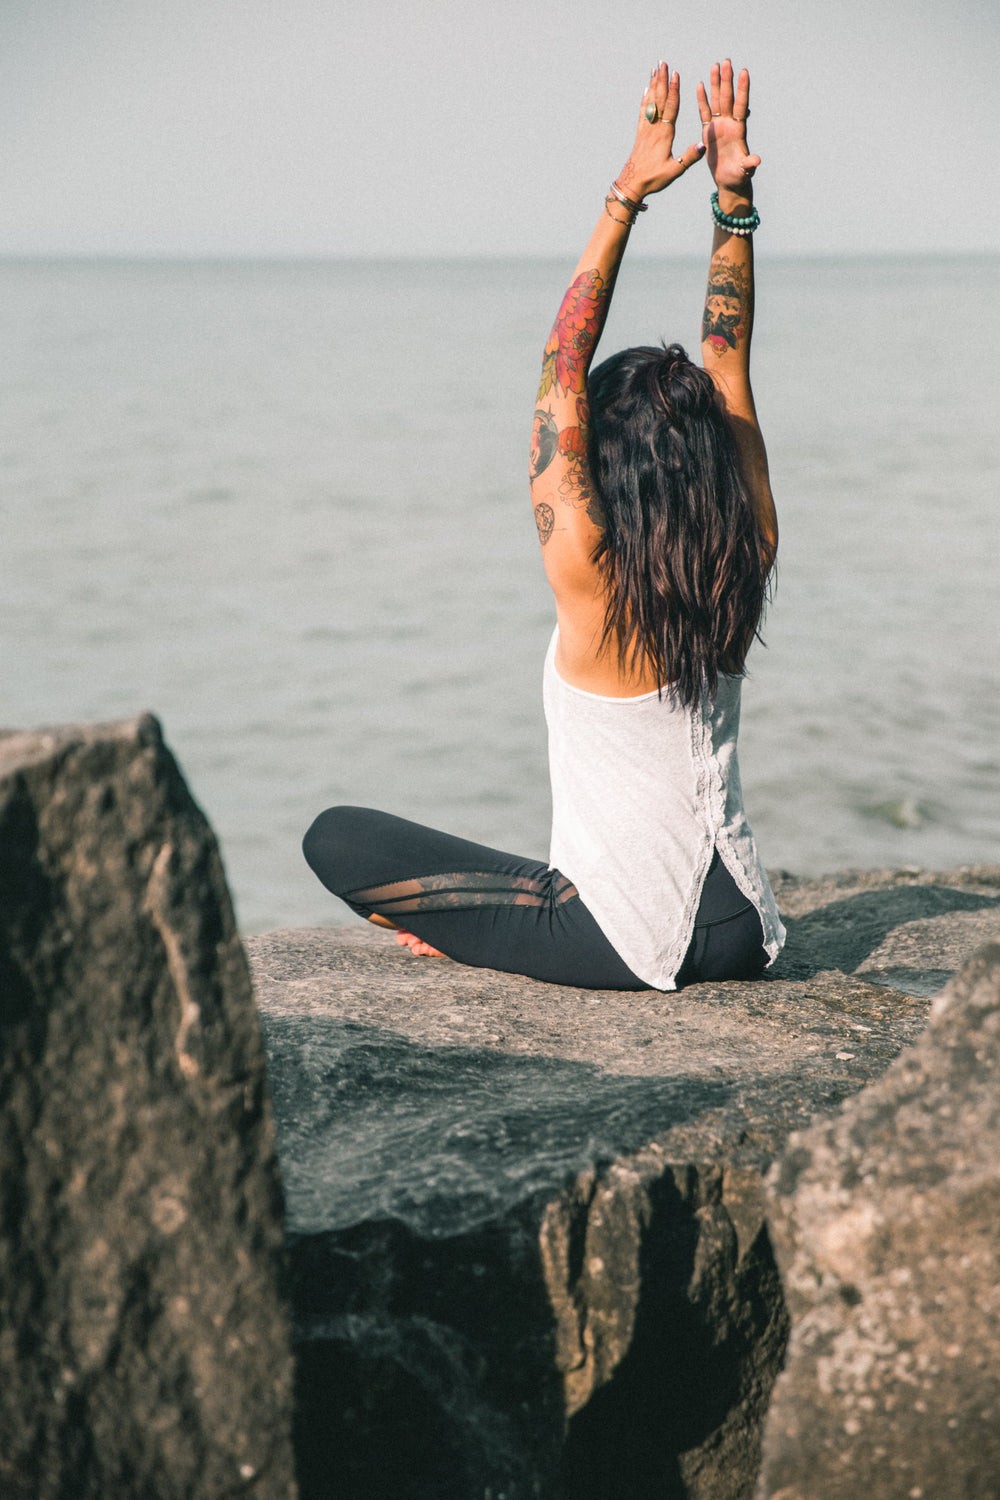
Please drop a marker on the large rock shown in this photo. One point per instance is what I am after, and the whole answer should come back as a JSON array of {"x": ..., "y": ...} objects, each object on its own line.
[
  {"x": 144, "y": 1351},
  {"x": 527, "y": 1233},
  {"x": 887, "y": 1227}
]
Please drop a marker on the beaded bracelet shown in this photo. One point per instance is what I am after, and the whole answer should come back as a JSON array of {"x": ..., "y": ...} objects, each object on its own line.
[
  {"x": 636, "y": 208},
  {"x": 731, "y": 223}
]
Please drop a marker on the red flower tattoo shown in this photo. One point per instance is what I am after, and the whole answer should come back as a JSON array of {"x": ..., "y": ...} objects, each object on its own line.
[{"x": 574, "y": 335}]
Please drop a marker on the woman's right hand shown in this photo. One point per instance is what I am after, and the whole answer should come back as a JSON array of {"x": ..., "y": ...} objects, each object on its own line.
[
  {"x": 652, "y": 165},
  {"x": 723, "y": 118}
]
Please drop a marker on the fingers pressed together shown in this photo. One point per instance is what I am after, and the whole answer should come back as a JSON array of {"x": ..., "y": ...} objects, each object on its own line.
[{"x": 724, "y": 101}]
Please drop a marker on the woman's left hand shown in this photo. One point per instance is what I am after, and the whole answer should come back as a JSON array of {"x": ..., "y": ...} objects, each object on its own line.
[{"x": 652, "y": 165}]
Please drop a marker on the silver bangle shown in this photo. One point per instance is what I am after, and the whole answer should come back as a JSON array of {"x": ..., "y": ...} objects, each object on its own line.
[{"x": 636, "y": 208}]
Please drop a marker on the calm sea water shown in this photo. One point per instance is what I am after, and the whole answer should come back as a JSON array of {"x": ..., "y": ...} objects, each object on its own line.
[{"x": 284, "y": 506}]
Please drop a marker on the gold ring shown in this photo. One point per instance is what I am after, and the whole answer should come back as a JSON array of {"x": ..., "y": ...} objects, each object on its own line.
[{"x": 651, "y": 112}]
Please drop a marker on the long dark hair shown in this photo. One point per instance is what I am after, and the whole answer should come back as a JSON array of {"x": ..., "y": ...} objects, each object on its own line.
[{"x": 685, "y": 563}]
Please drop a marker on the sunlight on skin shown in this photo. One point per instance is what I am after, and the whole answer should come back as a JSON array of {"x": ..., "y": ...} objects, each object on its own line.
[
  {"x": 423, "y": 950},
  {"x": 407, "y": 939}
]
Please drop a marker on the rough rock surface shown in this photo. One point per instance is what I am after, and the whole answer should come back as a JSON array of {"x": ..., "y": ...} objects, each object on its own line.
[
  {"x": 886, "y": 1221},
  {"x": 528, "y": 1251},
  {"x": 144, "y": 1350}
]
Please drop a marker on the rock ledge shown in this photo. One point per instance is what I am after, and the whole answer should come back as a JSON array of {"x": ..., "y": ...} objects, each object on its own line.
[{"x": 527, "y": 1223}]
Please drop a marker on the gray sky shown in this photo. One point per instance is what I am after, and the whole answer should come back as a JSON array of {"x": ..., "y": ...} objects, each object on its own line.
[{"x": 455, "y": 126}]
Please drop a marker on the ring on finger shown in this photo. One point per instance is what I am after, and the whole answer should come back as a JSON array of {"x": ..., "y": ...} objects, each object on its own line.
[{"x": 652, "y": 113}]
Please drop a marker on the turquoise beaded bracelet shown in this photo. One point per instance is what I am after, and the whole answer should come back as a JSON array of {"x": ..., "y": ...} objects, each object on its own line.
[{"x": 731, "y": 223}]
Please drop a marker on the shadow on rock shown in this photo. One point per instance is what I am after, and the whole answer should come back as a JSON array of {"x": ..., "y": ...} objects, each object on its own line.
[
  {"x": 372, "y": 1125},
  {"x": 843, "y": 934},
  {"x": 678, "y": 1416}
]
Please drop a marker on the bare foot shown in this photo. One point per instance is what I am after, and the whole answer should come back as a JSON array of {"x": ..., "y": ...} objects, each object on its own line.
[{"x": 411, "y": 941}]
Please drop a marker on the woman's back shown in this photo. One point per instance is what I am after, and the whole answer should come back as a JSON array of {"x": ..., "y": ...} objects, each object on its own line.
[{"x": 681, "y": 564}]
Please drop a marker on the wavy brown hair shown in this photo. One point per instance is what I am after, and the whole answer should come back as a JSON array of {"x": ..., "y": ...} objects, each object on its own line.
[{"x": 685, "y": 562}]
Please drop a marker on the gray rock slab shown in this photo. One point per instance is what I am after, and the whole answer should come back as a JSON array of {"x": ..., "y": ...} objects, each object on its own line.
[
  {"x": 907, "y": 928},
  {"x": 886, "y": 1220},
  {"x": 529, "y": 1220},
  {"x": 144, "y": 1348}
]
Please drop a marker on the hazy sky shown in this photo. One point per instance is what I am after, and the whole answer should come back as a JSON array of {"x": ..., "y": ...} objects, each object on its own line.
[{"x": 457, "y": 126}]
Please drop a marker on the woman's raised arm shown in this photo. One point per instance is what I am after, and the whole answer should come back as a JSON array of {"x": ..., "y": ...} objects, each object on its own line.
[
  {"x": 727, "y": 322},
  {"x": 567, "y": 509}
]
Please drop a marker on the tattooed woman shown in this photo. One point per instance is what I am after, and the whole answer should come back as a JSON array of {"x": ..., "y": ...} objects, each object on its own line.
[{"x": 650, "y": 489}]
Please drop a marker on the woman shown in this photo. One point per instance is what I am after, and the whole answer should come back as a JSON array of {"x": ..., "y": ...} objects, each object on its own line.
[{"x": 650, "y": 489}]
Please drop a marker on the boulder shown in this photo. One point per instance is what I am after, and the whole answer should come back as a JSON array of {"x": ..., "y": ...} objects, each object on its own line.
[
  {"x": 886, "y": 1222},
  {"x": 144, "y": 1349},
  {"x": 527, "y": 1237}
]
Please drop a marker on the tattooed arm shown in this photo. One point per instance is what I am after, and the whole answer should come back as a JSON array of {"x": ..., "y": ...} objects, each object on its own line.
[
  {"x": 567, "y": 508},
  {"x": 727, "y": 322}
]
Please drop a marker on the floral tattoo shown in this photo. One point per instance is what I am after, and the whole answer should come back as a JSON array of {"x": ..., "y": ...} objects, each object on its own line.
[
  {"x": 568, "y": 353},
  {"x": 723, "y": 322},
  {"x": 574, "y": 335},
  {"x": 626, "y": 176}
]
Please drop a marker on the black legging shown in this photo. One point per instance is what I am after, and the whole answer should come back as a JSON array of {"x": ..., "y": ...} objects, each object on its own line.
[{"x": 495, "y": 911}]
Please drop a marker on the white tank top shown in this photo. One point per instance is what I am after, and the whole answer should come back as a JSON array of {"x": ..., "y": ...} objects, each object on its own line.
[{"x": 643, "y": 790}]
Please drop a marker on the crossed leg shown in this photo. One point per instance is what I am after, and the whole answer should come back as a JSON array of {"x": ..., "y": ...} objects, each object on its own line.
[{"x": 472, "y": 903}]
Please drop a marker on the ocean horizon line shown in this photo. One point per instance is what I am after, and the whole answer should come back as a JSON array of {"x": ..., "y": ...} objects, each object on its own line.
[{"x": 294, "y": 258}]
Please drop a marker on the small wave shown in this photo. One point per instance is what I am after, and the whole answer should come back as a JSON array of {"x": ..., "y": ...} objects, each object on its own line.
[{"x": 900, "y": 812}]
